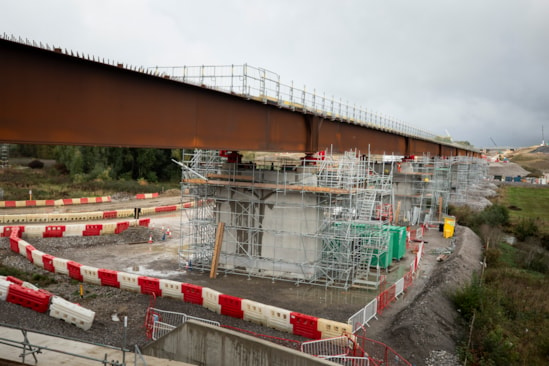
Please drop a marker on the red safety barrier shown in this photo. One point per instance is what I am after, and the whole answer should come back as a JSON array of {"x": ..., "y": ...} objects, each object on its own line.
[
  {"x": 109, "y": 214},
  {"x": 67, "y": 201},
  {"x": 30, "y": 203},
  {"x": 15, "y": 280},
  {"x": 305, "y": 325},
  {"x": 9, "y": 203},
  {"x": 14, "y": 244},
  {"x": 92, "y": 230},
  {"x": 84, "y": 200},
  {"x": 165, "y": 208},
  {"x": 149, "y": 285},
  {"x": 54, "y": 231},
  {"x": 231, "y": 306},
  {"x": 121, "y": 227},
  {"x": 192, "y": 293},
  {"x": 47, "y": 259},
  {"x": 108, "y": 277},
  {"x": 50, "y": 202},
  {"x": 15, "y": 231},
  {"x": 74, "y": 270},
  {"x": 144, "y": 222},
  {"x": 29, "y": 249},
  {"x": 36, "y": 300}
]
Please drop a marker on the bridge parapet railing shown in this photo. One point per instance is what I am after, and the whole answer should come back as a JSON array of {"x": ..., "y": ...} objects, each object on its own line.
[{"x": 260, "y": 84}]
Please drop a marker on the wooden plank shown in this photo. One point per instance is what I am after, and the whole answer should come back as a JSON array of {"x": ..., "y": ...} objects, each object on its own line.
[{"x": 217, "y": 249}]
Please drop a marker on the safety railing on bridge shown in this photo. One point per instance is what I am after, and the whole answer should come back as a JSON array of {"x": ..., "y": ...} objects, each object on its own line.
[{"x": 263, "y": 85}]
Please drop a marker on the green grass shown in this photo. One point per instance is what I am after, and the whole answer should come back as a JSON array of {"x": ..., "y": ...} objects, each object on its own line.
[{"x": 527, "y": 202}]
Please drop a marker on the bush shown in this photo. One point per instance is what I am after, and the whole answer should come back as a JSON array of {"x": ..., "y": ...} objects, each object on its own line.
[
  {"x": 35, "y": 164},
  {"x": 526, "y": 227}
]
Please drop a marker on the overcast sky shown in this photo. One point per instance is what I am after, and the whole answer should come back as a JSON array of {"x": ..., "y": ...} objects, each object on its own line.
[{"x": 476, "y": 69}]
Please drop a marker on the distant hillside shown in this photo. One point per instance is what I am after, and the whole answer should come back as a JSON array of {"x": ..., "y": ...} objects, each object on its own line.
[{"x": 535, "y": 159}]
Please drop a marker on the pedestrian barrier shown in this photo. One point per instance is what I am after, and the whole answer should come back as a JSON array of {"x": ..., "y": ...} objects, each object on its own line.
[
  {"x": 92, "y": 230},
  {"x": 121, "y": 227},
  {"x": 74, "y": 230},
  {"x": 38, "y": 257},
  {"x": 192, "y": 293},
  {"x": 128, "y": 281},
  {"x": 144, "y": 222},
  {"x": 166, "y": 208},
  {"x": 330, "y": 328},
  {"x": 127, "y": 212},
  {"x": 35, "y": 230},
  {"x": 29, "y": 249},
  {"x": 54, "y": 231},
  {"x": 71, "y": 313},
  {"x": 110, "y": 214},
  {"x": 14, "y": 244},
  {"x": 149, "y": 285},
  {"x": 4, "y": 288},
  {"x": 90, "y": 275},
  {"x": 278, "y": 318},
  {"x": 108, "y": 228},
  {"x": 22, "y": 247},
  {"x": 61, "y": 265},
  {"x": 231, "y": 306},
  {"x": 363, "y": 316},
  {"x": 15, "y": 280},
  {"x": 142, "y": 196},
  {"x": 74, "y": 270},
  {"x": 47, "y": 260},
  {"x": 171, "y": 289},
  {"x": 254, "y": 312},
  {"x": 108, "y": 277},
  {"x": 211, "y": 299},
  {"x": 305, "y": 325},
  {"x": 29, "y": 298}
]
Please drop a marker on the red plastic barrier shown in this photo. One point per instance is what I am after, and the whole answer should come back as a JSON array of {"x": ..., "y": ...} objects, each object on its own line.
[
  {"x": 67, "y": 201},
  {"x": 50, "y": 202},
  {"x": 109, "y": 214},
  {"x": 36, "y": 300},
  {"x": 165, "y": 208},
  {"x": 144, "y": 222},
  {"x": 149, "y": 285},
  {"x": 305, "y": 325},
  {"x": 30, "y": 203},
  {"x": 92, "y": 230},
  {"x": 9, "y": 203},
  {"x": 15, "y": 280},
  {"x": 54, "y": 231},
  {"x": 47, "y": 259},
  {"x": 231, "y": 306},
  {"x": 15, "y": 231},
  {"x": 30, "y": 248},
  {"x": 14, "y": 244},
  {"x": 121, "y": 227},
  {"x": 108, "y": 277},
  {"x": 84, "y": 200},
  {"x": 74, "y": 270},
  {"x": 192, "y": 293}
]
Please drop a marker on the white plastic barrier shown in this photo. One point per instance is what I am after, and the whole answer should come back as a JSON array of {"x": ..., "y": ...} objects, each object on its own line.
[
  {"x": 90, "y": 275},
  {"x": 4, "y": 288},
  {"x": 171, "y": 289},
  {"x": 74, "y": 230},
  {"x": 23, "y": 247},
  {"x": 108, "y": 228},
  {"x": 279, "y": 318},
  {"x": 211, "y": 299},
  {"x": 95, "y": 215},
  {"x": 29, "y": 285},
  {"x": 34, "y": 230},
  {"x": 71, "y": 313},
  {"x": 127, "y": 212},
  {"x": 331, "y": 328},
  {"x": 60, "y": 265},
  {"x": 37, "y": 258},
  {"x": 254, "y": 312},
  {"x": 129, "y": 281}
]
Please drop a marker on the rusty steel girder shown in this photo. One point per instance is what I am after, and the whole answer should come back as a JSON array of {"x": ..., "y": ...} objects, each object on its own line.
[{"x": 48, "y": 97}]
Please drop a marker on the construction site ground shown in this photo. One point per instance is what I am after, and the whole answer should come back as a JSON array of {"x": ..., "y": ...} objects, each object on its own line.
[{"x": 422, "y": 325}]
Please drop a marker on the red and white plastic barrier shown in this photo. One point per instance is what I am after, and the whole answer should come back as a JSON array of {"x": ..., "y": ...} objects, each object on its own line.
[{"x": 59, "y": 202}]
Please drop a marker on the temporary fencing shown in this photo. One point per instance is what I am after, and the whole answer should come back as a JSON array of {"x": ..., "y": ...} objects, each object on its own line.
[
  {"x": 60, "y": 202},
  {"x": 160, "y": 322}
]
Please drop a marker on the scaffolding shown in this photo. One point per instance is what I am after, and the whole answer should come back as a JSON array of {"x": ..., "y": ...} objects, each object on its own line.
[
  {"x": 466, "y": 174},
  {"x": 321, "y": 220}
]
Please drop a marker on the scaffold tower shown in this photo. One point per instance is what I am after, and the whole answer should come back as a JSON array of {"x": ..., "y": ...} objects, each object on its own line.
[{"x": 321, "y": 220}]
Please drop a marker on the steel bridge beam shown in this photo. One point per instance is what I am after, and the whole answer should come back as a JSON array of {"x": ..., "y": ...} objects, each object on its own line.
[{"x": 48, "y": 97}]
